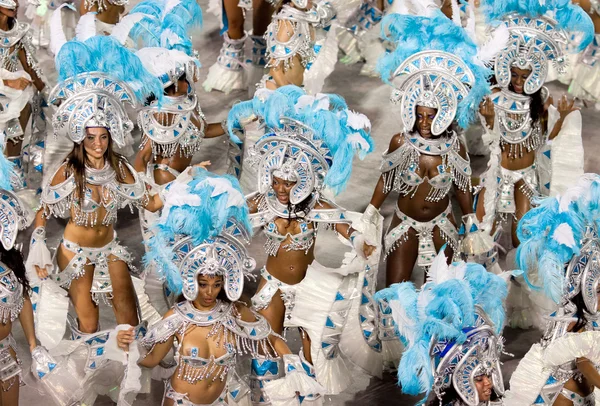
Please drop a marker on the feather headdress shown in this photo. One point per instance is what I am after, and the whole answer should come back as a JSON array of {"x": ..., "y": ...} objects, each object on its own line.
[
  {"x": 326, "y": 135},
  {"x": 204, "y": 210},
  {"x": 460, "y": 307}
]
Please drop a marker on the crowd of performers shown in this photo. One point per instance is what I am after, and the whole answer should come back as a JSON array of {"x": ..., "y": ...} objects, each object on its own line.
[{"x": 467, "y": 77}]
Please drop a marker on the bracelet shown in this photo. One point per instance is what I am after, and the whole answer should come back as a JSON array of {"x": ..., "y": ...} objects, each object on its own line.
[{"x": 38, "y": 234}]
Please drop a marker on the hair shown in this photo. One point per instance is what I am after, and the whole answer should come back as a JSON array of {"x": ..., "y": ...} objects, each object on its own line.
[
  {"x": 78, "y": 158},
  {"x": 580, "y": 314},
  {"x": 14, "y": 260}
]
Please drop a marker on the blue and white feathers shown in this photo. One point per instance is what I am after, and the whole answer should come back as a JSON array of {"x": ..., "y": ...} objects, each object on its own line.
[
  {"x": 198, "y": 207},
  {"x": 443, "y": 310},
  {"x": 340, "y": 131}
]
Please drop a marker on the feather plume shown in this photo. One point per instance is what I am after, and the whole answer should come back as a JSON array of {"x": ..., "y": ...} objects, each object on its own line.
[{"x": 86, "y": 27}]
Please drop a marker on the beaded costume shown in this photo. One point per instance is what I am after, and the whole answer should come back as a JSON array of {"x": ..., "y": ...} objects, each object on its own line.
[
  {"x": 450, "y": 342},
  {"x": 296, "y": 149},
  {"x": 536, "y": 38},
  {"x": 565, "y": 267}
]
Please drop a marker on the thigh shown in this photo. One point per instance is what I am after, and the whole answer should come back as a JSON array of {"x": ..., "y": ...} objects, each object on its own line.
[
  {"x": 275, "y": 311},
  {"x": 124, "y": 299},
  {"x": 438, "y": 241},
  {"x": 24, "y": 117},
  {"x": 400, "y": 262},
  {"x": 80, "y": 292},
  {"x": 479, "y": 207}
]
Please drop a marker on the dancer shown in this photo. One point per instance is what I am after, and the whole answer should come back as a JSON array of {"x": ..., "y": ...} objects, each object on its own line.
[
  {"x": 229, "y": 72},
  {"x": 309, "y": 146},
  {"x": 518, "y": 116},
  {"x": 89, "y": 186},
  {"x": 452, "y": 326},
  {"x": 199, "y": 247},
  {"x": 586, "y": 71},
  {"x": 17, "y": 86},
  {"x": 427, "y": 160},
  {"x": 559, "y": 254}
]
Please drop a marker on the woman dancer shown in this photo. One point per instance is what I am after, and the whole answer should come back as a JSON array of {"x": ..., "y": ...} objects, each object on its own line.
[
  {"x": 453, "y": 334},
  {"x": 309, "y": 146},
  {"x": 199, "y": 247},
  {"x": 93, "y": 182},
  {"x": 16, "y": 85},
  {"x": 426, "y": 161},
  {"x": 14, "y": 287},
  {"x": 559, "y": 253},
  {"x": 518, "y": 111}
]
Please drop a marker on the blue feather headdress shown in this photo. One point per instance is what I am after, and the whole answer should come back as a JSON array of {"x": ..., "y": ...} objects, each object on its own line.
[
  {"x": 460, "y": 307},
  {"x": 560, "y": 231},
  {"x": 435, "y": 63},
  {"x": 206, "y": 210},
  {"x": 330, "y": 134},
  {"x": 96, "y": 78},
  {"x": 538, "y": 35}
]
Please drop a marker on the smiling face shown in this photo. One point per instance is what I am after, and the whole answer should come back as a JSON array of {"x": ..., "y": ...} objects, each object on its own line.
[
  {"x": 483, "y": 383},
  {"x": 282, "y": 189},
  {"x": 518, "y": 77},
  {"x": 425, "y": 116},
  {"x": 96, "y": 142},
  {"x": 209, "y": 288}
]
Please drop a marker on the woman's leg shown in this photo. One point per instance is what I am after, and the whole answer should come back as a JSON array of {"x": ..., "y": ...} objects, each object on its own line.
[
  {"x": 10, "y": 388},
  {"x": 306, "y": 346},
  {"x": 275, "y": 311},
  {"x": 480, "y": 208},
  {"x": 235, "y": 19},
  {"x": 522, "y": 206},
  {"x": 124, "y": 299},
  {"x": 400, "y": 262},
  {"x": 262, "y": 12},
  {"x": 79, "y": 292},
  {"x": 439, "y": 242}
]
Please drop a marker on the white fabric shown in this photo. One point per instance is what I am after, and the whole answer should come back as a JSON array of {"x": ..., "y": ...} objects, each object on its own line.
[
  {"x": 13, "y": 101},
  {"x": 51, "y": 314},
  {"x": 224, "y": 80},
  {"x": 324, "y": 64},
  {"x": 147, "y": 311},
  {"x": 283, "y": 391},
  {"x": 567, "y": 151},
  {"x": 248, "y": 178},
  {"x": 38, "y": 255}
]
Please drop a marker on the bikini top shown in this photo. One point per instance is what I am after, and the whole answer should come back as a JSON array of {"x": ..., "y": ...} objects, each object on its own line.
[
  {"x": 301, "y": 42},
  {"x": 518, "y": 132},
  {"x": 400, "y": 168},
  {"x": 11, "y": 42},
  {"x": 270, "y": 209},
  {"x": 236, "y": 336},
  {"x": 180, "y": 133},
  {"x": 61, "y": 201},
  {"x": 11, "y": 295}
]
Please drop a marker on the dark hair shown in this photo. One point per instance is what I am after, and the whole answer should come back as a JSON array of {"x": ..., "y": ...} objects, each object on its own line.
[
  {"x": 303, "y": 207},
  {"x": 14, "y": 260},
  {"x": 580, "y": 314},
  {"x": 450, "y": 396},
  {"x": 77, "y": 160}
]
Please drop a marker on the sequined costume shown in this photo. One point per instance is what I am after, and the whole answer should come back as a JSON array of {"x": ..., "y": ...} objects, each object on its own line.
[
  {"x": 450, "y": 342},
  {"x": 212, "y": 244},
  {"x": 536, "y": 38},
  {"x": 564, "y": 268},
  {"x": 297, "y": 150}
]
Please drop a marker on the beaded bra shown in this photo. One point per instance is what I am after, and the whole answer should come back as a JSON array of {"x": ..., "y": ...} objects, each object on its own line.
[
  {"x": 61, "y": 200},
  {"x": 400, "y": 168},
  {"x": 236, "y": 336}
]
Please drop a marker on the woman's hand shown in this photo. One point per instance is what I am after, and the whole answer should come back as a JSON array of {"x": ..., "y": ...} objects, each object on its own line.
[
  {"x": 203, "y": 164},
  {"x": 124, "y": 338},
  {"x": 42, "y": 273},
  {"x": 368, "y": 250},
  {"x": 486, "y": 108},
  {"x": 19, "y": 83},
  {"x": 566, "y": 106}
]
